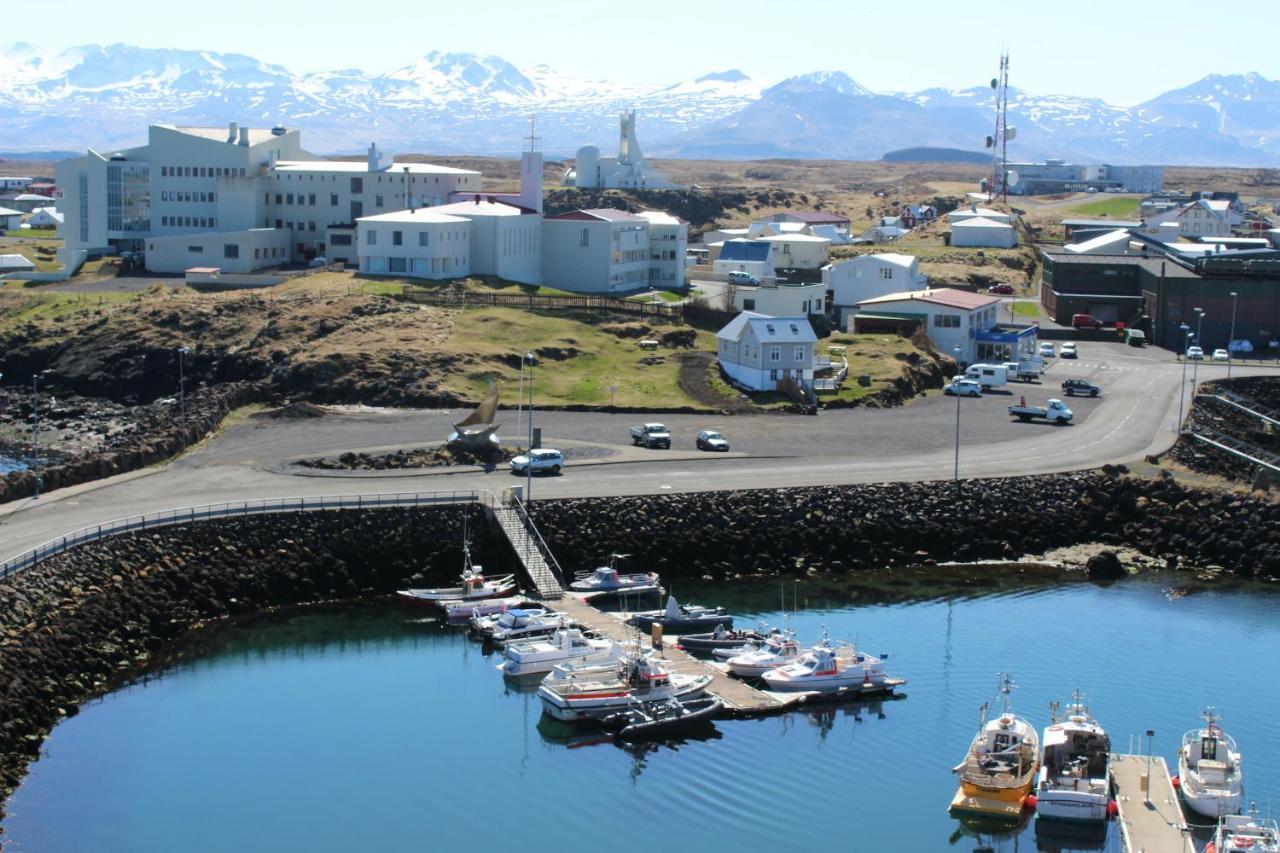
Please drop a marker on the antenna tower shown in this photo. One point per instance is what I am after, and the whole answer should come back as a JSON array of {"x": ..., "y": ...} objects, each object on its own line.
[{"x": 998, "y": 142}]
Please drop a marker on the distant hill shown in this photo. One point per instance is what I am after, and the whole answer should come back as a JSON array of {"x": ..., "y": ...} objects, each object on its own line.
[{"x": 936, "y": 155}]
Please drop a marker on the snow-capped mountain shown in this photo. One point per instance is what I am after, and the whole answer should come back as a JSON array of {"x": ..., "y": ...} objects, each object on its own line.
[{"x": 105, "y": 96}]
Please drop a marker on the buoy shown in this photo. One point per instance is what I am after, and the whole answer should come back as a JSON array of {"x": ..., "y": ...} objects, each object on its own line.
[
  {"x": 1211, "y": 848},
  {"x": 1113, "y": 808},
  {"x": 1177, "y": 783},
  {"x": 1030, "y": 802}
]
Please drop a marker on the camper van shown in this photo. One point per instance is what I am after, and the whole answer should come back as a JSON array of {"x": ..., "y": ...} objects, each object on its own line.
[{"x": 988, "y": 375}]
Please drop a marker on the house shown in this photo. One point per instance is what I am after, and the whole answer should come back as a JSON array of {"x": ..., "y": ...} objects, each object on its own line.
[
  {"x": 832, "y": 234},
  {"x": 10, "y": 219},
  {"x": 781, "y": 299},
  {"x": 1203, "y": 217},
  {"x": 418, "y": 243},
  {"x": 15, "y": 263},
  {"x": 813, "y": 218},
  {"x": 45, "y": 217},
  {"x": 45, "y": 188},
  {"x": 951, "y": 318},
  {"x": 601, "y": 250},
  {"x": 27, "y": 201},
  {"x": 505, "y": 240},
  {"x": 887, "y": 229},
  {"x": 14, "y": 183},
  {"x": 799, "y": 251},
  {"x": 974, "y": 212},
  {"x": 983, "y": 233},
  {"x": 720, "y": 235},
  {"x": 1114, "y": 242},
  {"x": 867, "y": 276},
  {"x": 1078, "y": 230},
  {"x": 755, "y": 257},
  {"x": 668, "y": 246},
  {"x": 629, "y": 170},
  {"x": 756, "y": 350}
]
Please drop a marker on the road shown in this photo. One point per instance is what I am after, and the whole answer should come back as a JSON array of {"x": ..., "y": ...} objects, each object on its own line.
[{"x": 1135, "y": 416}]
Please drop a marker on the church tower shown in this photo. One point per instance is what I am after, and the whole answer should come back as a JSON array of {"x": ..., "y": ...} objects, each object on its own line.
[{"x": 531, "y": 170}]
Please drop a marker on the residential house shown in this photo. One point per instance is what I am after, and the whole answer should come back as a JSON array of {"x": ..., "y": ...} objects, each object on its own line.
[
  {"x": 983, "y": 233},
  {"x": 755, "y": 257},
  {"x": 756, "y": 350},
  {"x": 812, "y": 218},
  {"x": 596, "y": 251},
  {"x": 1200, "y": 218},
  {"x": 866, "y": 276},
  {"x": 951, "y": 318},
  {"x": 45, "y": 217},
  {"x": 974, "y": 212},
  {"x": 887, "y": 229},
  {"x": 14, "y": 183},
  {"x": 799, "y": 251},
  {"x": 781, "y": 299},
  {"x": 27, "y": 201}
]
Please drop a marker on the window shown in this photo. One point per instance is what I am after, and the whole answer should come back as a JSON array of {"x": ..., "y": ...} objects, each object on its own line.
[
  {"x": 267, "y": 198},
  {"x": 333, "y": 199},
  {"x": 371, "y": 237},
  {"x": 584, "y": 239},
  {"x": 397, "y": 238},
  {"x": 786, "y": 248},
  {"x": 946, "y": 321},
  {"x": 242, "y": 171},
  {"x": 357, "y": 185},
  {"x": 773, "y": 375},
  {"x": 377, "y": 201},
  {"x": 775, "y": 353},
  {"x": 397, "y": 265},
  {"x": 279, "y": 198},
  {"x": 288, "y": 199},
  {"x": 886, "y": 273},
  {"x": 211, "y": 198},
  {"x": 748, "y": 305},
  {"x": 196, "y": 250},
  {"x": 230, "y": 250},
  {"x": 311, "y": 199},
  {"x": 311, "y": 226},
  {"x": 339, "y": 239},
  {"x": 424, "y": 238}
]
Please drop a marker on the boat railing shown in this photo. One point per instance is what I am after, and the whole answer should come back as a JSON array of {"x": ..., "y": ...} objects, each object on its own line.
[{"x": 229, "y": 509}]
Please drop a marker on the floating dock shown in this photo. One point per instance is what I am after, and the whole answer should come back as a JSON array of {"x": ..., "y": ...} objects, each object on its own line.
[{"x": 1154, "y": 826}]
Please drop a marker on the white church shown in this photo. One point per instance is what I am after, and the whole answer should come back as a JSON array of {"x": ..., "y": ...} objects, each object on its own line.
[{"x": 629, "y": 170}]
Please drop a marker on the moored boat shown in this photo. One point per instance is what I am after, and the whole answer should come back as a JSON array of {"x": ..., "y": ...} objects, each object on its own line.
[
  {"x": 533, "y": 657},
  {"x": 1240, "y": 833},
  {"x": 677, "y": 618},
  {"x": 1210, "y": 770},
  {"x": 638, "y": 679},
  {"x": 777, "y": 651},
  {"x": 648, "y": 720},
  {"x": 1000, "y": 766},
  {"x": 518, "y": 625},
  {"x": 460, "y": 610},
  {"x": 1074, "y": 783},
  {"x": 607, "y": 579},
  {"x": 732, "y": 640},
  {"x": 830, "y": 671},
  {"x": 473, "y": 585}
]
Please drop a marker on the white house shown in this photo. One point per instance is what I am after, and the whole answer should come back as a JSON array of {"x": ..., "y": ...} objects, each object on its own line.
[
  {"x": 1108, "y": 243},
  {"x": 756, "y": 350},
  {"x": 10, "y": 219},
  {"x": 887, "y": 229},
  {"x": 1200, "y": 218},
  {"x": 29, "y": 201},
  {"x": 720, "y": 235},
  {"x": 781, "y": 300},
  {"x": 974, "y": 212},
  {"x": 417, "y": 243},
  {"x": 629, "y": 170},
  {"x": 668, "y": 245},
  {"x": 755, "y": 257},
  {"x": 812, "y": 218},
  {"x": 9, "y": 183},
  {"x": 799, "y": 251},
  {"x": 983, "y": 233},
  {"x": 596, "y": 251},
  {"x": 506, "y": 240},
  {"x": 865, "y": 276},
  {"x": 950, "y": 317},
  {"x": 45, "y": 217}
]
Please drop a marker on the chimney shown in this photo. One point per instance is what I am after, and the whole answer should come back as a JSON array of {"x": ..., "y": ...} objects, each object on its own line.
[
  {"x": 232, "y": 132},
  {"x": 244, "y": 136}
]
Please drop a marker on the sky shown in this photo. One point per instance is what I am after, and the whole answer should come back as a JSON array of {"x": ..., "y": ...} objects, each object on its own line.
[{"x": 1122, "y": 52}]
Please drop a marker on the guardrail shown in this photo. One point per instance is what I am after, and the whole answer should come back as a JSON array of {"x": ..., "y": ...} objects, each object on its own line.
[
  {"x": 186, "y": 515},
  {"x": 532, "y": 530}
]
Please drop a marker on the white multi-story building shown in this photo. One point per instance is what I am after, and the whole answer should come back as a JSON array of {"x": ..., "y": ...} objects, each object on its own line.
[
  {"x": 668, "y": 245},
  {"x": 1200, "y": 218},
  {"x": 419, "y": 243},
  {"x": 867, "y": 276},
  {"x": 596, "y": 251}
]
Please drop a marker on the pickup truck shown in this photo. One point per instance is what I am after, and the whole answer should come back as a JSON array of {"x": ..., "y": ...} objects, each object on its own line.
[
  {"x": 651, "y": 435},
  {"x": 1055, "y": 412}
]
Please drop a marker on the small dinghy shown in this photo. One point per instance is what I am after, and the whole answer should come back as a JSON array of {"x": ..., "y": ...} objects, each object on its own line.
[
  {"x": 681, "y": 619},
  {"x": 648, "y": 720}
]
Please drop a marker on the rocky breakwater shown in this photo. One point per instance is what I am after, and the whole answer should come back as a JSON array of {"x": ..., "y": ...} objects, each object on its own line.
[
  {"x": 1222, "y": 422},
  {"x": 86, "y": 621},
  {"x": 152, "y": 434},
  {"x": 725, "y": 535}
]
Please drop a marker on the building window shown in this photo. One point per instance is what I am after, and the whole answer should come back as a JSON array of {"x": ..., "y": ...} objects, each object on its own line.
[
  {"x": 371, "y": 237},
  {"x": 946, "y": 321},
  {"x": 799, "y": 354},
  {"x": 357, "y": 185},
  {"x": 397, "y": 238},
  {"x": 424, "y": 238},
  {"x": 288, "y": 199},
  {"x": 584, "y": 239},
  {"x": 377, "y": 201},
  {"x": 748, "y": 305},
  {"x": 278, "y": 198},
  {"x": 886, "y": 273},
  {"x": 775, "y": 353},
  {"x": 311, "y": 226},
  {"x": 333, "y": 199},
  {"x": 773, "y": 375},
  {"x": 397, "y": 265},
  {"x": 339, "y": 239},
  {"x": 211, "y": 198},
  {"x": 196, "y": 250},
  {"x": 279, "y": 224},
  {"x": 230, "y": 250},
  {"x": 311, "y": 199}
]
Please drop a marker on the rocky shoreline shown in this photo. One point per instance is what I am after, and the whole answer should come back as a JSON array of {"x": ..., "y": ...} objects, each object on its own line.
[{"x": 91, "y": 619}]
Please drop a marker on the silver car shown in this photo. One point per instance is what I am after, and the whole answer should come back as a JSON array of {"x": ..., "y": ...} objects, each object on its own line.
[
  {"x": 709, "y": 439},
  {"x": 544, "y": 460}
]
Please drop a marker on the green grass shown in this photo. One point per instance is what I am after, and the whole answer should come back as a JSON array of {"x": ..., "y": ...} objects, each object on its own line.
[
  {"x": 662, "y": 295},
  {"x": 1026, "y": 309},
  {"x": 20, "y": 305},
  {"x": 1115, "y": 208},
  {"x": 34, "y": 233}
]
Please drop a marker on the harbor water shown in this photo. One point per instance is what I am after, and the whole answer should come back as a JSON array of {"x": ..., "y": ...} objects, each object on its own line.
[{"x": 375, "y": 728}]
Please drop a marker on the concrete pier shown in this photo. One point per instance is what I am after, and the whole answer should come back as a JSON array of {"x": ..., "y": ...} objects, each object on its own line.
[{"x": 1154, "y": 826}]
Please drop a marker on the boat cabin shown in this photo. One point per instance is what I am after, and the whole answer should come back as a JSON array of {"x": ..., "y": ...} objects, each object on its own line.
[{"x": 1076, "y": 749}]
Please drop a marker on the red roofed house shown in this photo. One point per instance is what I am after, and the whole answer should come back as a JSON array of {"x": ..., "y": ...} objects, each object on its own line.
[{"x": 952, "y": 318}]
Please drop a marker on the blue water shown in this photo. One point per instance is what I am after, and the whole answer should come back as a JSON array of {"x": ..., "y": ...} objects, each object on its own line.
[{"x": 370, "y": 729}]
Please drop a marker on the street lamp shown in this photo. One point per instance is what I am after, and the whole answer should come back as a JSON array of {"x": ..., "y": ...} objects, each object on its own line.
[
  {"x": 182, "y": 393},
  {"x": 1182, "y": 386},
  {"x": 956, "y": 474},
  {"x": 520, "y": 403},
  {"x": 528, "y": 468},
  {"x": 1231, "y": 338},
  {"x": 1195, "y": 370},
  {"x": 35, "y": 410}
]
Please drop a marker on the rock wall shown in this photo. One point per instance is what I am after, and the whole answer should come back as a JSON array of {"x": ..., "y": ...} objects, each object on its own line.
[{"x": 1215, "y": 419}]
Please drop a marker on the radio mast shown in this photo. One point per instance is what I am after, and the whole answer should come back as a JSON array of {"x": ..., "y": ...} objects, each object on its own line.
[{"x": 998, "y": 142}]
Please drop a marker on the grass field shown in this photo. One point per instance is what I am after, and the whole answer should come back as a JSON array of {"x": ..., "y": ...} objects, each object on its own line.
[
  {"x": 1114, "y": 208},
  {"x": 33, "y": 233},
  {"x": 1026, "y": 309}
]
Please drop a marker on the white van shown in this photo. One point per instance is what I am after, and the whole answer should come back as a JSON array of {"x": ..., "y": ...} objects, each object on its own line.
[{"x": 988, "y": 375}]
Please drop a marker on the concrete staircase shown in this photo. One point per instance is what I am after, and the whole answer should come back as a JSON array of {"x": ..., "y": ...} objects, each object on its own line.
[{"x": 539, "y": 564}]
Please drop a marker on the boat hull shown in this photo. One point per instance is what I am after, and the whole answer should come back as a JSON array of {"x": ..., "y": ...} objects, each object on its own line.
[
  {"x": 708, "y": 643},
  {"x": 434, "y": 597},
  {"x": 1071, "y": 806},
  {"x": 832, "y": 686},
  {"x": 1001, "y": 803},
  {"x": 1212, "y": 805},
  {"x": 593, "y": 705}
]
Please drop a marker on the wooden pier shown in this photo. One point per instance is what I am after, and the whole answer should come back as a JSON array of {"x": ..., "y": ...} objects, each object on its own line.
[{"x": 1157, "y": 826}]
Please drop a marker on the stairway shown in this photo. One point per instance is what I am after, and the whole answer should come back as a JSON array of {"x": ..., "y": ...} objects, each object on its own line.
[
  {"x": 1243, "y": 449},
  {"x": 1246, "y": 405},
  {"x": 539, "y": 564}
]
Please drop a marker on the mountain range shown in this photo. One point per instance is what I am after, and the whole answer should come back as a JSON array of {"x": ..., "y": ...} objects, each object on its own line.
[{"x": 104, "y": 97}]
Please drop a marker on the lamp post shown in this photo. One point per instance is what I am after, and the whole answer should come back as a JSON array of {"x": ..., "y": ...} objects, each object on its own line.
[
  {"x": 35, "y": 410},
  {"x": 1150, "y": 734},
  {"x": 528, "y": 468},
  {"x": 520, "y": 402},
  {"x": 1182, "y": 386},
  {"x": 182, "y": 392},
  {"x": 1231, "y": 338},
  {"x": 1195, "y": 369},
  {"x": 956, "y": 473}
]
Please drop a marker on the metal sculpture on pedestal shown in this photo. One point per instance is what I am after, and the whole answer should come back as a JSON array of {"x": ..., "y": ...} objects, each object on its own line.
[{"x": 478, "y": 430}]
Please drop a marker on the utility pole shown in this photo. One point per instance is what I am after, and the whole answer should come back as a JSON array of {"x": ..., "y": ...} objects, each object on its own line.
[
  {"x": 1231, "y": 338},
  {"x": 1182, "y": 386},
  {"x": 35, "y": 410},
  {"x": 956, "y": 473},
  {"x": 182, "y": 393},
  {"x": 528, "y": 468},
  {"x": 1195, "y": 369}
]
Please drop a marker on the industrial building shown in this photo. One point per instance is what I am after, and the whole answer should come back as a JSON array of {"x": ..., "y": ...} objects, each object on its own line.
[{"x": 1059, "y": 176}]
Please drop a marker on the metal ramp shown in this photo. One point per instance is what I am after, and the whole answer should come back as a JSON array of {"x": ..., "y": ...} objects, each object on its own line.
[
  {"x": 1238, "y": 401},
  {"x": 1242, "y": 449},
  {"x": 535, "y": 557}
]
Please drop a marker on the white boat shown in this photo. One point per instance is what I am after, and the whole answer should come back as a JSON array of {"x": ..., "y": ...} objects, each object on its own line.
[
  {"x": 638, "y": 679},
  {"x": 460, "y": 610},
  {"x": 1210, "y": 773},
  {"x": 1074, "y": 782},
  {"x": 1000, "y": 767},
  {"x": 1240, "y": 833},
  {"x": 609, "y": 579},
  {"x": 531, "y": 657},
  {"x": 778, "y": 650},
  {"x": 518, "y": 625},
  {"x": 474, "y": 586},
  {"x": 596, "y": 670},
  {"x": 823, "y": 669}
]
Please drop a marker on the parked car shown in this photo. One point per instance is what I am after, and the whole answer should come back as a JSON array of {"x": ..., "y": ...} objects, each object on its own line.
[
  {"x": 737, "y": 277},
  {"x": 651, "y": 436},
  {"x": 1195, "y": 353},
  {"x": 1002, "y": 289},
  {"x": 1047, "y": 350},
  {"x": 1083, "y": 387},
  {"x": 1085, "y": 321},
  {"x": 709, "y": 439},
  {"x": 1069, "y": 351},
  {"x": 1220, "y": 355},
  {"x": 1056, "y": 412},
  {"x": 961, "y": 387},
  {"x": 543, "y": 460}
]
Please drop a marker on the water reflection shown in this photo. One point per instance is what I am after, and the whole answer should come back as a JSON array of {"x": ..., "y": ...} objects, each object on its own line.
[{"x": 1055, "y": 836}]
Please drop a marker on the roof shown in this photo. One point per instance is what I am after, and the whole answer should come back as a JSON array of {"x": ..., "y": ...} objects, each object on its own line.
[
  {"x": 4, "y": 211},
  {"x": 1102, "y": 240},
  {"x": 817, "y": 217},
  {"x": 944, "y": 296},
  {"x": 484, "y": 207},
  {"x": 793, "y": 238},
  {"x": 257, "y": 135},
  {"x": 15, "y": 262},
  {"x": 661, "y": 217},
  {"x": 30, "y": 197},
  {"x": 784, "y": 330},
  {"x": 980, "y": 222},
  {"x": 363, "y": 167},
  {"x": 744, "y": 250},
  {"x": 420, "y": 216},
  {"x": 894, "y": 258},
  {"x": 970, "y": 212},
  {"x": 598, "y": 214},
  {"x": 1101, "y": 223}
]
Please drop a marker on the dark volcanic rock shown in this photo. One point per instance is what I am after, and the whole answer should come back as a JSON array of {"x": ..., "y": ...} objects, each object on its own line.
[{"x": 1104, "y": 566}]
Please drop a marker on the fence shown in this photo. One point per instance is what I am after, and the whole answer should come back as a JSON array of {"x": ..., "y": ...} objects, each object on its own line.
[
  {"x": 187, "y": 515},
  {"x": 480, "y": 299}
]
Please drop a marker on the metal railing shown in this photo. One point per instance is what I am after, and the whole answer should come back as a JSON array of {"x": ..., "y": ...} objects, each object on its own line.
[
  {"x": 1241, "y": 449},
  {"x": 534, "y": 538},
  {"x": 186, "y": 515}
]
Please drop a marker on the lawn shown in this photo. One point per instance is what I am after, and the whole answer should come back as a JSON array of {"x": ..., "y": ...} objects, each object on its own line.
[
  {"x": 1115, "y": 208},
  {"x": 1026, "y": 309},
  {"x": 20, "y": 304},
  {"x": 34, "y": 233}
]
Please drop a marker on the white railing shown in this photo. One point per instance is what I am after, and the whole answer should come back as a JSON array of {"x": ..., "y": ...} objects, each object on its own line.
[{"x": 186, "y": 515}]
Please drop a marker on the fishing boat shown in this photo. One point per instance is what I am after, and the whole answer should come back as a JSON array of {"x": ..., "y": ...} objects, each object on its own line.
[
  {"x": 607, "y": 579},
  {"x": 677, "y": 618},
  {"x": 638, "y": 679},
  {"x": 1000, "y": 767},
  {"x": 840, "y": 671},
  {"x": 461, "y": 610},
  {"x": 533, "y": 657},
  {"x": 649, "y": 720},
  {"x": 474, "y": 585},
  {"x": 1239, "y": 833},
  {"x": 1210, "y": 773},
  {"x": 1074, "y": 783},
  {"x": 778, "y": 650}
]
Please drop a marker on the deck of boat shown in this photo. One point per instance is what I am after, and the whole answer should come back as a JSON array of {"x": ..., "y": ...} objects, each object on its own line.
[{"x": 1157, "y": 826}]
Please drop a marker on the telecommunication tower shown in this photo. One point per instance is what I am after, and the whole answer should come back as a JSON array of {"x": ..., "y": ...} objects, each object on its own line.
[{"x": 998, "y": 141}]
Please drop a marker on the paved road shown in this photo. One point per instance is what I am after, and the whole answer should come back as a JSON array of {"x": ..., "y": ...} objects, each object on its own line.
[{"x": 1135, "y": 416}]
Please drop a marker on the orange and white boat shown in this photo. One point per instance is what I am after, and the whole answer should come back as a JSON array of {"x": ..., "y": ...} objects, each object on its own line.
[{"x": 1000, "y": 767}]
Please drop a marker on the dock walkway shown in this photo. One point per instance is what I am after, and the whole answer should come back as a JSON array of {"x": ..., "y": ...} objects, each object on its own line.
[{"x": 1155, "y": 827}]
